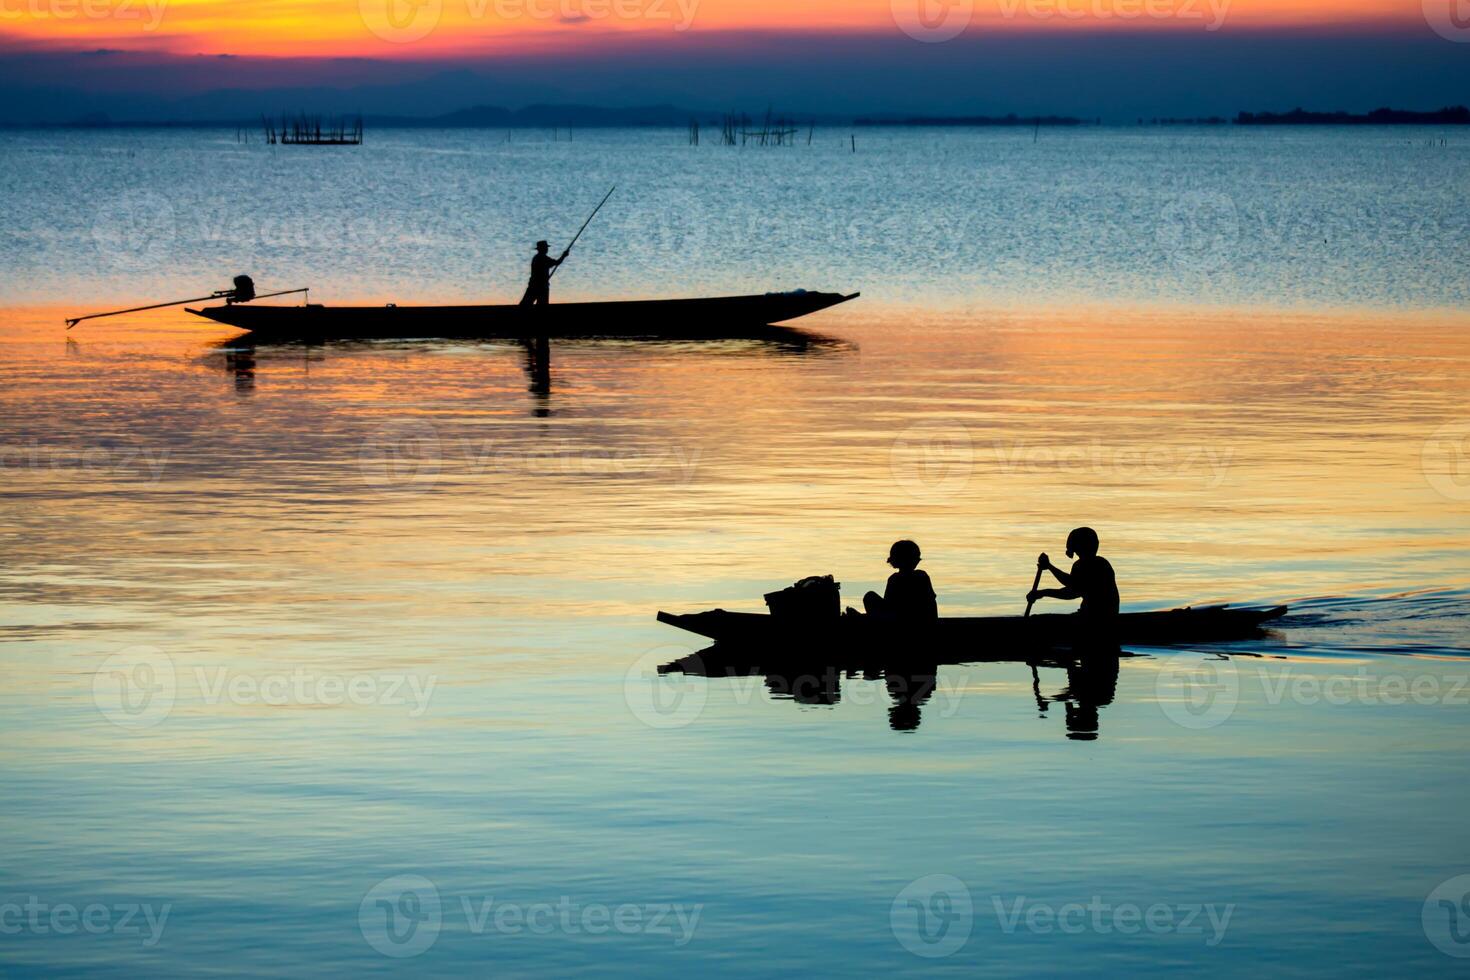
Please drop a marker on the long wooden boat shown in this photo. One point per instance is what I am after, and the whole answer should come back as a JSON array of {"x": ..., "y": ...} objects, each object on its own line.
[
  {"x": 1205, "y": 624},
  {"x": 675, "y": 318}
]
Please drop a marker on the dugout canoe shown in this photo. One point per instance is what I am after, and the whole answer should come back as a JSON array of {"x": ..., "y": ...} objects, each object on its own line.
[
  {"x": 718, "y": 316},
  {"x": 1171, "y": 627}
]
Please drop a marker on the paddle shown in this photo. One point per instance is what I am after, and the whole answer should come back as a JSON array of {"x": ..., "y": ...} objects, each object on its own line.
[
  {"x": 584, "y": 225},
  {"x": 1036, "y": 584}
]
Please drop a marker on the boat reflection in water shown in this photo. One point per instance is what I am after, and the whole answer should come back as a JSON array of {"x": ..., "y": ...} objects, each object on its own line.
[
  {"x": 911, "y": 680},
  {"x": 241, "y": 364},
  {"x": 242, "y": 356}
]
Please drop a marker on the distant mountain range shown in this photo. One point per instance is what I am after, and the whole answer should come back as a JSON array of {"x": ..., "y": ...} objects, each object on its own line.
[
  {"x": 545, "y": 116},
  {"x": 1448, "y": 116},
  {"x": 1007, "y": 120},
  {"x": 574, "y": 116},
  {"x": 542, "y": 116}
]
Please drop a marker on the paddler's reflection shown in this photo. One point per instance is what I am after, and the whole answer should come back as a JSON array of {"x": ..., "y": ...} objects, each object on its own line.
[{"x": 1092, "y": 683}]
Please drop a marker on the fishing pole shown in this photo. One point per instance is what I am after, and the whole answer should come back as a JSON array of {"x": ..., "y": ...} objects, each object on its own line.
[
  {"x": 242, "y": 293},
  {"x": 584, "y": 226}
]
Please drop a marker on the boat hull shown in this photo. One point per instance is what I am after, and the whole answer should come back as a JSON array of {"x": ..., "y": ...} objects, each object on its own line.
[
  {"x": 675, "y": 318},
  {"x": 981, "y": 636}
]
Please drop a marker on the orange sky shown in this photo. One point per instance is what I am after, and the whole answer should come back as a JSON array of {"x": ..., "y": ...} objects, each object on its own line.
[{"x": 419, "y": 28}]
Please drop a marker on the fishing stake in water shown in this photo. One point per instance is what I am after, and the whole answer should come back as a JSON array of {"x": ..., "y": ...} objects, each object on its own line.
[
  {"x": 243, "y": 292},
  {"x": 586, "y": 223}
]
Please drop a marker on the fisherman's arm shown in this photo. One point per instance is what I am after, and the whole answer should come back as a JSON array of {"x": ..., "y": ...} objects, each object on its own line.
[{"x": 1044, "y": 563}]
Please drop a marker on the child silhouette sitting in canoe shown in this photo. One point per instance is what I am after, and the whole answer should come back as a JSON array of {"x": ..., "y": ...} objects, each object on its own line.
[
  {"x": 909, "y": 597},
  {"x": 1091, "y": 578}
]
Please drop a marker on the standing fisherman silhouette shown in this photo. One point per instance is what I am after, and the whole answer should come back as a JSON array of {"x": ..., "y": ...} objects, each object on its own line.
[
  {"x": 538, "y": 290},
  {"x": 1091, "y": 578},
  {"x": 543, "y": 266}
]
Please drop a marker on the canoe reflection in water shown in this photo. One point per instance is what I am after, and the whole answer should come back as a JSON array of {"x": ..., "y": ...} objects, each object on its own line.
[
  {"x": 911, "y": 681},
  {"x": 243, "y": 356}
]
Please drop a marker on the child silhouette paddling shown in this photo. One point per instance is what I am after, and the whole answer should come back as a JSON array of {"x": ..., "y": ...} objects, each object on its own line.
[{"x": 1091, "y": 578}]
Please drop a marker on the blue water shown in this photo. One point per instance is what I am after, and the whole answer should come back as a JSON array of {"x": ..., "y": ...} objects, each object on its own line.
[
  {"x": 343, "y": 660},
  {"x": 1312, "y": 218}
]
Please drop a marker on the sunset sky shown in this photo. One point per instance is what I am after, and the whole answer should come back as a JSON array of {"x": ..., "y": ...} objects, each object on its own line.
[
  {"x": 414, "y": 28},
  {"x": 143, "y": 58}
]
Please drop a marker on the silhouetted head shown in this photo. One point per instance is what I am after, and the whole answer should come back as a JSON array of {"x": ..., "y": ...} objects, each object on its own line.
[
  {"x": 1083, "y": 540},
  {"x": 903, "y": 555},
  {"x": 542, "y": 247}
]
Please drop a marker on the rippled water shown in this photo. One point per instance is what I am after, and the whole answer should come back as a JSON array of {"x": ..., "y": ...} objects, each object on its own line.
[
  {"x": 1310, "y": 218},
  {"x": 291, "y": 632}
]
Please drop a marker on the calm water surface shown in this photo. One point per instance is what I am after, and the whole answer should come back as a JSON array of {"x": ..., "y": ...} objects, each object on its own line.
[
  {"x": 1309, "y": 218},
  {"x": 280, "y": 628}
]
